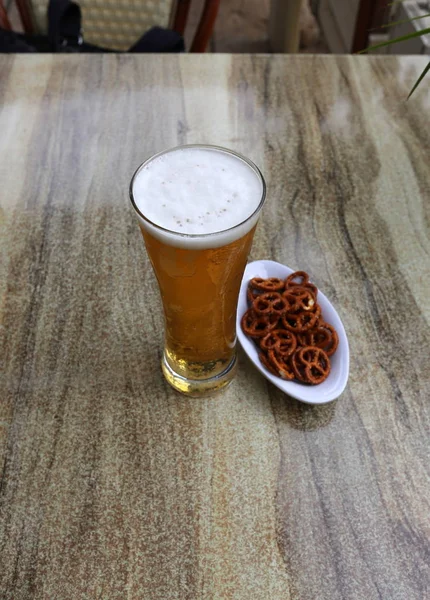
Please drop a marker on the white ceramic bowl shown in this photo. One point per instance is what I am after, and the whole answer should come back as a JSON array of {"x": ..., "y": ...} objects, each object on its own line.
[{"x": 335, "y": 383}]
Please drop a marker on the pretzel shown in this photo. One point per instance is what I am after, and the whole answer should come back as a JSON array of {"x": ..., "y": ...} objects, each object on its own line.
[
  {"x": 315, "y": 337},
  {"x": 266, "y": 363},
  {"x": 300, "y": 298},
  {"x": 302, "y": 338},
  {"x": 311, "y": 364},
  {"x": 300, "y": 322},
  {"x": 313, "y": 288},
  {"x": 256, "y": 326},
  {"x": 252, "y": 294},
  {"x": 283, "y": 342},
  {"x": 271, "y": 303},
  {"x": 273, "y": 284},
  {"x": 281, "y": 365},
  {"x": 302, "y": 275},
  {"x": 325, "y": 337},
  {"x": 304, "y": 282},
  {"x": 308, "y": 286}
]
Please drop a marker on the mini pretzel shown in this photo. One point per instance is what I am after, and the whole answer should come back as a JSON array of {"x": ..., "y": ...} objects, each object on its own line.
[
  {"x": 300, "y": 322},
  {"x": 325, "y": 337},
  {"x": 313, "y": 288},
  {"x": 300, "y": 298},
  {"x": 291, "y": 280},
  {"x": 302, "y": 338},
  {"x": 273, "y": 284},
  {"x": 266, "y": 363},
  {"x": 305, "y": 338},
  {"x": 281, "y": 365},
  {"x": 303, "y": 281},
  {"x": 282, "y": 342},
  {"x": 252, "y": 294},
  {"x": 315, "y": 337},
  {"x": 309, "y": 286},
  {"x": 298, "y": 367},
  {"x": 311, "y": 364},
  {"x": 270, "y": 303},
  {"x": 256, "y": 326}
]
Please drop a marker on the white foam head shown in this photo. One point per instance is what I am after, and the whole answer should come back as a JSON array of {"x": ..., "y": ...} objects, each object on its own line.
[{"x": 197, "y": 196}]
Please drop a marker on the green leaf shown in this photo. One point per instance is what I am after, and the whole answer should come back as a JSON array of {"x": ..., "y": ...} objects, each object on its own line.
[
  {"x": 401, "y": 38},
  {"x": 404, "y": 38},
  {"x": 418, "y": 81},
  {"x": 394, "y": 23}
]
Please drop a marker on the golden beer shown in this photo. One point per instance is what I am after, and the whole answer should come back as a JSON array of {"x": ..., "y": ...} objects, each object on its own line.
[{"x": 199, "y": 274}]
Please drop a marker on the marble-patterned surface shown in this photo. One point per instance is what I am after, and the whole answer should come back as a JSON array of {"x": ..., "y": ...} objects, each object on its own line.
[{"x": 113, "y": 486}]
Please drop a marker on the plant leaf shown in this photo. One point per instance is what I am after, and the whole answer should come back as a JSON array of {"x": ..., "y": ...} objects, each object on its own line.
[
  {"x": 394, "y": 23},
  {"x": 418, "y": 81},
  {"x": 402, "y": 38}
]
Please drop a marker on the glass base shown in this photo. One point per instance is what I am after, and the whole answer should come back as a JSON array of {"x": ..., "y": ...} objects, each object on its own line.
[{"x": 199, "y": 387}]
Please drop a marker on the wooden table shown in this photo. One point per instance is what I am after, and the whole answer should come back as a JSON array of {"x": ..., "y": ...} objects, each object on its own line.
[{"x": 113, "y": 486}]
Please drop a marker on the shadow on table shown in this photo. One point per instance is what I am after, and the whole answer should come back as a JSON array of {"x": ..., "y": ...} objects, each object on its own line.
[{"x": 298, "y": 415}]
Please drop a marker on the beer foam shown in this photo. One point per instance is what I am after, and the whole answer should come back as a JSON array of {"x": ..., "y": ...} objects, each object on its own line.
[{"x": 191, "y": 192}]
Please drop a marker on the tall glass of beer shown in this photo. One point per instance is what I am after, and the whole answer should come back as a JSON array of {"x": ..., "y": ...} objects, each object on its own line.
[{"x": 198, "y": 208}]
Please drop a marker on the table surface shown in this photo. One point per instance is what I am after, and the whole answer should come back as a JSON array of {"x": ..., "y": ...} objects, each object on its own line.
[{"x": 113, "y": 486}]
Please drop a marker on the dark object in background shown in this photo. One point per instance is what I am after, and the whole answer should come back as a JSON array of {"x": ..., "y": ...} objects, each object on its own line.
[
  {"x": 65, "y": 35},
  {"x": 199, "y": 43},
  {"x": 371, "y": 16}
]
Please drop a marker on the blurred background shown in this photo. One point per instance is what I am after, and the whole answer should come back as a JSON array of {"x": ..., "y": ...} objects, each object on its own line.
[{"x": 309, "y": 26}]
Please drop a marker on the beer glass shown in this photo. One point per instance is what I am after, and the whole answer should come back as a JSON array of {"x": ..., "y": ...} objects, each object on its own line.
[{"x": 198, "y": 208}]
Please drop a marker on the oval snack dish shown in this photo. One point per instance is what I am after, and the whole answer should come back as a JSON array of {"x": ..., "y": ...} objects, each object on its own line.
[{"x": 335, "y": 383}]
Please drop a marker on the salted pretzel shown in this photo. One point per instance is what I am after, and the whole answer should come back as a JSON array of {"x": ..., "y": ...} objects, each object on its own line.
[
  {"x": 257, "y": 326},
  {"x": 310, "y": 364},
  {"x": 271, "y": 303},
  {"x": 281, "y": 365},
  {"x": 273, "y": 284},
  {"x": 299, "y": 322},
  {"x": 283, "y": 342},
  {"x": 300, "y": 298}
]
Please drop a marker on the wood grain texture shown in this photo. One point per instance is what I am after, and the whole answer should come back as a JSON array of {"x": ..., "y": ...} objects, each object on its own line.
[{"x": 113, "y": 486}]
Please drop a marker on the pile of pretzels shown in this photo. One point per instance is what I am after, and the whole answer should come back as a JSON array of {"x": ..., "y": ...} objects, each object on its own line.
[{"x": 284, "y": 320}]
